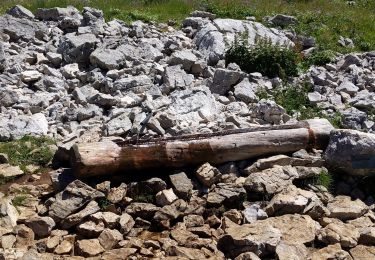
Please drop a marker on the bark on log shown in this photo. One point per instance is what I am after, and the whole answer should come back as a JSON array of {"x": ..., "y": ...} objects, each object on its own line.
[{"x": 92, "y": 159}]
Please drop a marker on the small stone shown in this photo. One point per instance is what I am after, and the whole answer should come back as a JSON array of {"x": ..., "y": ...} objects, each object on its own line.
[
  {"x": 8, "y": 171},
  {"x": 181, "y": 185},
  {"x": 109, "y": 238},
  {"x": 126, "y": 223},
  {"x": 115, "y": 195},
  {"x": 208, "y": 174},
  {"x": 165, "y": 197},
  {"x": 30, "y": 76},
  {"x": 89, "y": 247},
  {"x": 64, "y": 248}
]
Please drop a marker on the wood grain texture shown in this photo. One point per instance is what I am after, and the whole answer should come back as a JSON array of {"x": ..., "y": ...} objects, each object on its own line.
[{"x": 90, "y": 159}]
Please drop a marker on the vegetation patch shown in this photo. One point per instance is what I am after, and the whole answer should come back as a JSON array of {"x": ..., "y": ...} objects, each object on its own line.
[
  {"x": 264, "y": 57},
  {"x": 28, "y": 150},
  {"x": 295, "y": 101}
]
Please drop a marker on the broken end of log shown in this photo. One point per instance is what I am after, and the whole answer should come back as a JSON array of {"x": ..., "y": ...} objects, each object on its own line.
[{"x": 89, "y": 159}]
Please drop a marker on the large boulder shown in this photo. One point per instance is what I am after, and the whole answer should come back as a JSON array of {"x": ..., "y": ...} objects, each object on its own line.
[
  {"x": 77, "y": 48},
  {"x": 352, "y": 152},
  {"x": 17, "y": 127},
  {"x": 212, "y": 37}
]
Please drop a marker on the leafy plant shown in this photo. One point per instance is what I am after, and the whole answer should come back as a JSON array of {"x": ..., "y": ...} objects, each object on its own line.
[
  {"x": 320, "y": 58},
  {"x": 269, "y": 59}
]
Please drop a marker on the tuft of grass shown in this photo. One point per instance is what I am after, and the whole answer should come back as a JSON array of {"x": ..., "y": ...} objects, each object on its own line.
[
  {"x": 324, "y": 179},
  {"x": 144, "y": 197},
  {"x": 19, "y": 200},
  {"x": 28, "y": 150}
]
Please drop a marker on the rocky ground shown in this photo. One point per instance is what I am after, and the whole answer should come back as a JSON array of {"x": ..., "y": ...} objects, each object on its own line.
[{"x": 74, "y": 77}]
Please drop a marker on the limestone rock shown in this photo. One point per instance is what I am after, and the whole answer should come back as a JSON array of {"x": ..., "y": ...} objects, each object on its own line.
[
  {"x": 20, "y": 12},
  {"x": 181, "y": 185},
  {"x": 345, "y": 234},
  {"x": 342, "y": 207},
  {"x": 165, "y": 197},
  {"x": 362, "y": 252},
  {"x": 270, "y": 181},
  {"x": 291, "y": 252},
  {"x": 89, "y": 247},
  {"x": 109, "y": 238},
  {"x": 331, "y": 252},
  {"x": 77, "y": 48},
  {"x": 351, "y": 151},
  {"x": 74, "y": 197}
]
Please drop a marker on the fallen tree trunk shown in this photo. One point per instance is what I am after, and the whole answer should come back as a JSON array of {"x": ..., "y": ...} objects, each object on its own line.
[{"x": 91, "y": 159}]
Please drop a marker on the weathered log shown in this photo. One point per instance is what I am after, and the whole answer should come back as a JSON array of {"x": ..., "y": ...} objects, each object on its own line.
[{"x": 91, "y": 159}]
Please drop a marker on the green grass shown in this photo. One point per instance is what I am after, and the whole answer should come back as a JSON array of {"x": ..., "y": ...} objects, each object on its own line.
[
  {"x": 28, "y": 150},
  {"x": 19, "y": 200},
  {"x": 326, "y": 20}
]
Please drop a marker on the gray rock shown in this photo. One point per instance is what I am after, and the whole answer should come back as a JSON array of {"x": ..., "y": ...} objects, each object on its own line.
[
  {"x": 175, "y": 77},
  {"x": 224, "y": 79},
  {"x": 77, "y": 48},
  {"x": 8, "y": 171},
  {"x": 253, "y": 213},
  {"x": 57, "y": 13},
  {"x": 76, "y": 218},
  {"x": 21, "y": 28},
  {"x": 351, "y": 151},
  {"x": 74, "y": 197},
  {"x": 107, "y": 59},
  {"x": 3, "y": 59},
  {"x": 181, "y": 185},
  {"x": 20, "y": 12},
  {"x": 185, "y": 57},
  {"x": 118, "y": 125},
  {"x": 246, "y": 91},
  {"x": 8, "y": 97},
  {"x": 283, "y": 20},
  {"x": 348, "y": 87}
]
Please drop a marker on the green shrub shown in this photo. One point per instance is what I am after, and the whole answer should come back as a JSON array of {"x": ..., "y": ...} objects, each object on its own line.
[
  {"x": 320, "y": 58},
  {"x": 264, "y": 57}
]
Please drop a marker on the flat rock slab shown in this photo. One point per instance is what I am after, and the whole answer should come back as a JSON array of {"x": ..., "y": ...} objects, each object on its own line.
[{"x": 74, "y": 197}]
